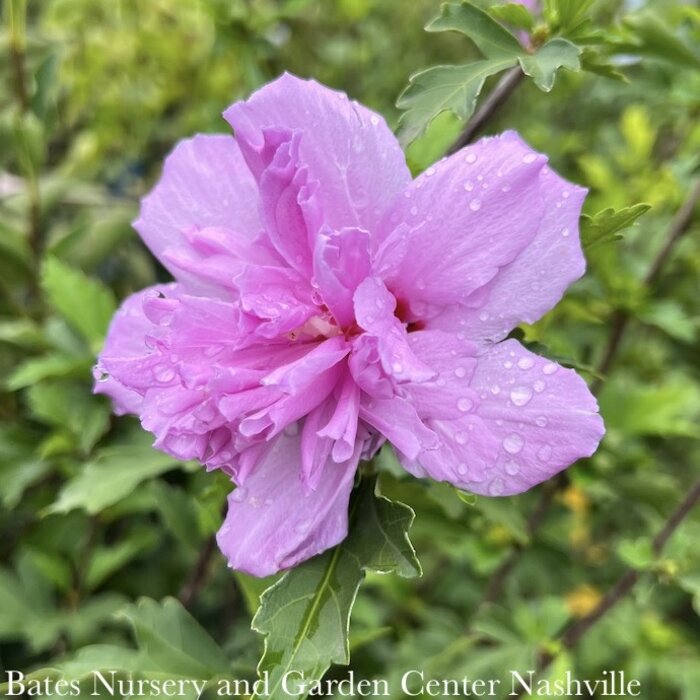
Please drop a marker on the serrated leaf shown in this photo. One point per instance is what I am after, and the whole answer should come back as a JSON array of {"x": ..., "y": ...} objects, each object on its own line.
[
  {"x": 173, "y": 641},
  {"x": 111, "y": 476},
  {"x": 444, "y": 88},
  {"x": 306, "y": 615},
  {"x": 85, "y": 303},
  {"x": 492, "y": 38},
  {"x": 605, "y": 226},
  {"x": 542, "y": 66}
]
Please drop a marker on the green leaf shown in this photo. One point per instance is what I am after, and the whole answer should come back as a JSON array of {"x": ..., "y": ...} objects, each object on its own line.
[
  {"x": 442, "y": 88},
  {"x": 567, "y": 15},
  {"x": 513, "y": 14},
  {"x": 492, "y": 38},
  {"x": 543, "y": 65},
  {"x": 173, "y": 641},
  {"x": 605, "y": 226},
  {"x": 38, "y": 368},
  {"x": 652, "y": 37},
  {"x": 84, "y": 302},
  {"x": 669, "y": 316},
  {"x": 111, "y": 476},
  {"x": 306, "y": 615}
]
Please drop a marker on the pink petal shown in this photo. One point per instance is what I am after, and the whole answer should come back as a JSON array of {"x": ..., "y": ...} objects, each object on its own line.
[
  {"x": 273, "y": 522},
  {"x": 533, "y": 283},
  {"x": 205, "y": 182},
  {"x": 461, "y": 221},
  {"x": 347, "y": 148},
  {"x": 543, "y": 416}
]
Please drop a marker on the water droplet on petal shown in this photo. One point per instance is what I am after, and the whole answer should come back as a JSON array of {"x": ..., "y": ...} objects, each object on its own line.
[
  {"x": 530, "y": 158},
  {"x": 539, "y": 386},
  {"x": 525, "y": 362},
  {"x": 397, "y": 367},
  {"x": 414, "y": 211},
  {"x": 508, "y": 364},
  {"x": 495, "y": 389},
  {"x": 163, "y": 374},
  {"x": 464, "y": 404},
  {"x": 565, "y": 232},
  {"x": 470, "y": 158},
  {"x": 512, "y": 467},
  {"x": 513, "y": 443},
  {"x": 544, "y": 453},
  {"x": 541, "y": 421},
  {"x": 460, "y": 372},
  {"x": 461, "y": 438},
  {"x": 239, "y": 494},
  {"x": 496, "y": 487},
  {"x": 430, "y": 171},
  {"x": 374, "y": 119},
  {"x": 521, "y": 395},
  {"x": 484, "y": 316},
  {"x": 475, "y": 204},
  {"x": 462, "y": 468},
  {"x": 550, "y": 368},
  {"x": 468, "y": 185}
]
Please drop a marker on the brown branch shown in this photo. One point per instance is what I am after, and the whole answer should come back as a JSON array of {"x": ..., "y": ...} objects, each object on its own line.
[
  {"x": 496, "y": 99},
  {"x": 199, "y": 573},
  {"x": 571, "y": 636}
]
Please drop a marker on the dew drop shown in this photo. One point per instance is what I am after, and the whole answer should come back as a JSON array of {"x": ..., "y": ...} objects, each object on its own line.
[
  {"x": 530, "y": 158},
  {"x": 475, "y": 204},
  {"x": 464, "y": 404},
  {"x": 239, "y": 494},
  {"x": 484, "y": 316},
  {"x": 539, "y": 386},
  {"x": 460, "y": 372},
  {"x": 512, "y": 467},
  {"x": 513, "y": 443},
  {"x": 468, "y": 185},
  {"x": 521, "y": 395},
  {"x": 495, "y": 389},
  {"x": 414, "y": 211},
  {"x": 508, "y": 364},
  {"x": 374, "y": 119},
  {"x": 461, "y": 438},
  {"x": 541, "y": 421},
  {"x": 525, "y": 362},
  {"x": 549, "y": 368},
  {"x": 430, "y": 171},
  {"x": 462, "y": 468},
  {"x": 496, "y": 487},
  {"x": 470, "y": 158},
  {"x": 397, "y": 367},
  {"x": 544, "y": 453},
  {"x": 565, "y": 232},
  {"x": 163, "y": 374}
]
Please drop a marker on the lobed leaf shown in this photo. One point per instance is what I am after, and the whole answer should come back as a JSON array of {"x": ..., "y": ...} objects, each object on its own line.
[
  {"x": 543, "y": 65},
  {"x": 605, "y": 226},
  {"x": 305, "y": 616}
]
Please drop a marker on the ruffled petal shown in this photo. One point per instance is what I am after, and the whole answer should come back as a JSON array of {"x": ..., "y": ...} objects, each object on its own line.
[
  {"x": 205, "y": 183},
  {"x": 273, "y": 522},
  {"x": 126, "y": 343},
  {"x": 347, "y": 148},
  {"x": 460, "y": 222},
  {"x": 532, "y": 284}
]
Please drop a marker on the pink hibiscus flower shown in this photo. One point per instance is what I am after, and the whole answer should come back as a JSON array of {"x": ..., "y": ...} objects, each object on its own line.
[{"x": 325, "y": 302}]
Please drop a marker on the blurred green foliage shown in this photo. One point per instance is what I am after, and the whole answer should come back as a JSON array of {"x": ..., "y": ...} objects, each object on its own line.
[{"x": 98, "y": 530}]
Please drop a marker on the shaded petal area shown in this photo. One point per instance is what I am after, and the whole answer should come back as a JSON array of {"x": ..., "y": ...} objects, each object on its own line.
[
  {"x": 205, "y": 183},
  {"x": 461, "y": 221},
  {"x": 534, "y": 282},
  {"x": 346, "y": 147},
  {"x": 273, "y": 522}
]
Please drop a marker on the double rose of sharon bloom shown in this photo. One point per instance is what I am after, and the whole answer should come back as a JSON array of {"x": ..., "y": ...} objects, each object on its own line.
[{"x": 325, "y": 302}]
